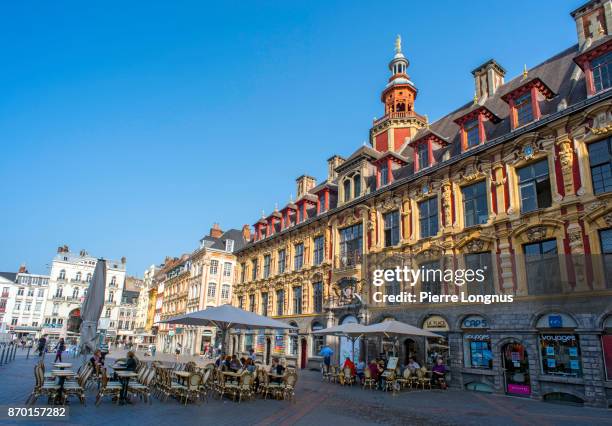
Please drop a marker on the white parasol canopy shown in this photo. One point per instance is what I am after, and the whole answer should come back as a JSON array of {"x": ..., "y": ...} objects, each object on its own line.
[{"x": 92, "y": 309}]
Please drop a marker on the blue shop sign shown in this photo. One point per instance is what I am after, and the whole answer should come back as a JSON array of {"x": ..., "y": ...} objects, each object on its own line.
[{"x": 555, "y": 321}]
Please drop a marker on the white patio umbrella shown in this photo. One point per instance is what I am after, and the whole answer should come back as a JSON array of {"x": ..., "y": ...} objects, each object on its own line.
[
  {"x": 395, "y": 329},
  {"x": 92, "y": 309},
  {"x": 225, "y": 317}
]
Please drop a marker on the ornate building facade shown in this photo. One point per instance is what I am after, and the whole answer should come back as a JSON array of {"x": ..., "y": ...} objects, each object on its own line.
[{"x": 517, "y": 181}]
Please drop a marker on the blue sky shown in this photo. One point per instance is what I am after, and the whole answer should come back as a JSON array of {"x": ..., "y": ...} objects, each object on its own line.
[{"x": 128, "y": 128}]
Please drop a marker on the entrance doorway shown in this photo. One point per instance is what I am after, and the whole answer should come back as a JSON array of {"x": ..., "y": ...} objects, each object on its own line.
[
  {"x": 268, "y": 350},
  {"x": 410, "y": 350},
  {"x": 516, "y": 369},
  {"x": 303, "y": 360}
]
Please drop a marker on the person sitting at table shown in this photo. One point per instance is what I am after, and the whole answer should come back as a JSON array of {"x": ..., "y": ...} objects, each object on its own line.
[
  {"x": 374, "y": 371},
  {"x": 349, "y": 364},
  {"x": 249, "y": 365},
  {"x": 130, "y": 363},
  {"x": 438, "y": 374},
  {"x": 412, "y": 364},
  {"x": 381, "y": 377},
  {"x": 234, "y": 364},
  {"x": 97, "y": 360},
  {"x": 277, "y": 369}
]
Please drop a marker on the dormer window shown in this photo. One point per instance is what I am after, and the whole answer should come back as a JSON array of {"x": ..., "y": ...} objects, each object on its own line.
[
  {"x": 524, "y": 101},
  {"x": 423, "y": 155},
  {"x": 602, "y": 69},
  {"x": 346, "y": 186},
  {"x": 471, "y": 133},
  {"x": 524, "y": 109},
  {"x": 357, "y": 185},
  {"x": 384, "y": 174}
]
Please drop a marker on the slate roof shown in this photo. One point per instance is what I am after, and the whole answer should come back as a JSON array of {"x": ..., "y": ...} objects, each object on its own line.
[
  {"x": 11, "y": 276},
  {"x": 219, "y": 243},
  {"x": 556, "y": 73}
]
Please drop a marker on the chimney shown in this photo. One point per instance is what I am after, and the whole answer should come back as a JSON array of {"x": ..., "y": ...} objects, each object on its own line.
[
  {"x": 304, "y": 184},
  {"x": 246, "y": 232},
  {"x": 215, "y": 231},
  {"x": 23, "y": 269},
  {"x": 123, "y": 260},
  {"x": 332, "y": 163},
  {"x": 488, "y": 78},
  {"x": 593, "y": 19}
]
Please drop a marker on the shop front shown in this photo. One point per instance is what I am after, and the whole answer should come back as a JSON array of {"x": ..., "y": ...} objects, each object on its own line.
[
  {"x": 436, "y": 347},
  {"x": 515, "y": 364}
]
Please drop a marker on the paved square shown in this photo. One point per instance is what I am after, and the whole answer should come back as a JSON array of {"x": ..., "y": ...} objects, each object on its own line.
[{"x": 317, "y": 403}]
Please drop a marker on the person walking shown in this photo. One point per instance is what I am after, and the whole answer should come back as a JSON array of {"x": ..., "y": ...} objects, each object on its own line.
[
  {"x": 61, "y": 347},
  {"x": 42, "y": 342}
]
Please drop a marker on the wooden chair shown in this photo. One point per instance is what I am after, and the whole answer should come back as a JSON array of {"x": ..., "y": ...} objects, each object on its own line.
[
  {"x": 78, "y": 388},
  {"x": 347, "y": 376},
  {"x": 422, "y": 379},
  {"x": 143, "y": 387},
  {"x": 406, "y": 379},
  {"x": 389, "y": 380},
  {"x": 289, "y": 386},
  {"x": 245, "y": 388},
  {"x": 42, "y": 387},
  {"x": 191, "y": 390},
  {"x": 368, "y": 380},
  {"x": 107, "y": 388}
]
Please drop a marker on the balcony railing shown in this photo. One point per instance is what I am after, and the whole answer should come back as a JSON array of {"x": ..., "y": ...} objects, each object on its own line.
[
  {"x": 402, "y": 114},
  {"x": 348, "y": 260}
]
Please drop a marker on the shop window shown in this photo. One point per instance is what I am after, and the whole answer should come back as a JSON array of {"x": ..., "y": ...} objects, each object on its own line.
[
  {"x": 542, "y": 267},
  {"x": 600, "y": 160},
  {"x": 606, "y": 344},
  {"x": 317, "y": 341},
  {"x": 248, "y": 341},
  {"x": 436, "y": 347},
  {"x": 479, "y": 351},
  {"x": 560, "y": 355},
  {"x": 534, "y": 186}
]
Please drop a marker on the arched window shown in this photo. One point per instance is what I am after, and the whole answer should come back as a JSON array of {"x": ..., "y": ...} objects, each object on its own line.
[
  {"x": 318, "y": 341},
  {"x": 401, "y": 107},
  {"x": 347, "y": 190},
  {"x": 59, "y": 292},
  {"x": 293, "y": 339},
  {"x": 62, "y": 275},
  {"x": 75, "y": 293},
  {"x": 357, "y": 185},
  {"x": 114, "y": 281},
  {"x": 110, "y": 296},
  {"x": 89, "y": 277},
  {"x": 78, "y": 276}
]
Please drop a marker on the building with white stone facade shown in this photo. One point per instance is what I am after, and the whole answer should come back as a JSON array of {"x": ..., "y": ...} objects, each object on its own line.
[
  {"x": 71, "y": 274},
  {"x": 22, "y": 302}
]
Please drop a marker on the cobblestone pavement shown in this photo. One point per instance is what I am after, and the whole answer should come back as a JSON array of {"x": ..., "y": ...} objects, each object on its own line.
[{"x": 317, "y": 403}]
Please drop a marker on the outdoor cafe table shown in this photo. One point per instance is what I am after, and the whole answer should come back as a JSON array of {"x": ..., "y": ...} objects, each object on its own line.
[
  {"x": 61, "y": 375},
  {"x": 182, "y": 375},
  {"x": 62, "y": 365},
  {"x": 125, "y": 376}
]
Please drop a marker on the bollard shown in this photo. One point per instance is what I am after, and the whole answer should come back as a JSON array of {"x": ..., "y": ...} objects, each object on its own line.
[
  {"x": 28, "y": 354},
  {"x": 14, "y": 352},
  {"x": 2, "y": 356}
]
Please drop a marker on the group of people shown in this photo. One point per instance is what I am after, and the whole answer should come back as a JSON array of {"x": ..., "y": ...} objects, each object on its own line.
[
  {"x": 378, "y": 366},
  {"x": 234, "y": 364}
]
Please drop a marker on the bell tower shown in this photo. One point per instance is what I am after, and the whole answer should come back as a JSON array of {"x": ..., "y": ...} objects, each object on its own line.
[{"x": 400, "y": 121}]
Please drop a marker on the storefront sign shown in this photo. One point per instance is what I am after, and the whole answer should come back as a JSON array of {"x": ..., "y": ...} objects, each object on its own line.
[
  {"x": 435, "y": 322},
  {"x": 556, "y": 320},
  {"x": 558, "y": 337},
  {"x": 519, "y": 389},
  {"x": 478, "y": 337},
  {"x": 474, "y": 321}
]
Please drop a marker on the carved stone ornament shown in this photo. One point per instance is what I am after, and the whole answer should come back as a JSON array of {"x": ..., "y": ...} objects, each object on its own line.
[
  {"x": 536, "y": 233},
  {"x": 595, "y": 205},
  {"x": 566, "y": 158},
  {"x": 608, "y": 219},
  {"x": 475, "y": 246},
  {"x": 446, "y": 203},
  {"x": 574, "y": 235}
]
